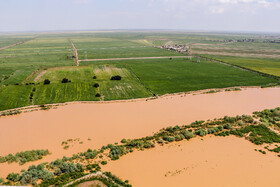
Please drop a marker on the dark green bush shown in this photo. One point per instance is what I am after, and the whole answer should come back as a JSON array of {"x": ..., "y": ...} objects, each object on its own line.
[
  {"x": 65, "y": 80},
  {"x": 25, "y": 156},
  {"x": 169, "y": 138},
  {"x": 117, "y": 77},
  {"x": 187, "y": 134},
  {"x": 96, "y": 85},
  {"x": 2, "y": 180},
  {"x": 201, "y": 132},
  {"x": 47, "y": 81},
  {"x": 13, "y": 177}
]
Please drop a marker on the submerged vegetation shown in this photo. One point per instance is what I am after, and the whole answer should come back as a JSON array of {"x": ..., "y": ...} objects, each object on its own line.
[
  {"x": 259, "y": 129},
  {"x": 25, "y": 156}
]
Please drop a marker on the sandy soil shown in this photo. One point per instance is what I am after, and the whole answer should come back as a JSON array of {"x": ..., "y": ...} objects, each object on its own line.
[
  {"x": 39, "y": 76},
  {"x": 109, "y": 122},
  {"x": 132, "y": 58},
  {"x": 213, "y": 161},
  {"x": 92, "y": 184}
]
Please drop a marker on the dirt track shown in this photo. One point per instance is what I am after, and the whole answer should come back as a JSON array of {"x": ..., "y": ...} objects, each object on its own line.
[
  {"x": 75, "y": 52},
  {"x": 132, "y": 58},
  {"x": 6, "y": 47}
]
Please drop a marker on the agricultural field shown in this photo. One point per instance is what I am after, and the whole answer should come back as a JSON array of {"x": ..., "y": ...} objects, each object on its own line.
[
  {"x": 265, "y": 65},
  {"x": 24, "y": 67},
  {"x": 9, "y": 39},
  {"x": 100, "y": 48}
]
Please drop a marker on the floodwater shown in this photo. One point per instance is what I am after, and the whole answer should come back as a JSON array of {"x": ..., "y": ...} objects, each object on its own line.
[
  {"x": 213, "y": 161},
  {"x": 97, "y": 124}
]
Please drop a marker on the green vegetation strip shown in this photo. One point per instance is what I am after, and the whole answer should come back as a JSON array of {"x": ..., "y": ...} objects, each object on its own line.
[
  {"x": 25, "y": 156},
  {"x": 260, "y": 129}
]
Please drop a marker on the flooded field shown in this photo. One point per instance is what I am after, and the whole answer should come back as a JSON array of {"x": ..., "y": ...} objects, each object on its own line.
[
  {"x": 212, "y": 162},
  {"x": 97, "y": 124}
]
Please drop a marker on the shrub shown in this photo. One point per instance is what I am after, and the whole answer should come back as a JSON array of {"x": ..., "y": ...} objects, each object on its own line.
[
  {"x": 104, "y": 162},
  {"x": 179, "y": 137},
  {"x": 47, "y": 81},
  {"x": 65, "y": 80},
  {"x": 148, "y": 144},
  {"x": 2, "y": 180},
  {"x": 13, "y": 177},
  {"x": 169, "y": 138},
  {"x": 96, "y": 85},
  {"x": 227, "y": 126},
  {"x": 213, "y": 130},
  {"x": 97, "y": 95},
  {"x": 25, "y": 156},
  {"x": 123, "y": 140},
  {"x": 188, "y": 135},
  {"x": 117, "y": 77},
  {"x": 94, "y": 77},
  {"x": 201, "y": 132}
]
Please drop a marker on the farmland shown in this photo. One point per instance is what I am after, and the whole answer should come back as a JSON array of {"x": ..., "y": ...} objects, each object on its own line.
[{"x": 24, "y": 67}]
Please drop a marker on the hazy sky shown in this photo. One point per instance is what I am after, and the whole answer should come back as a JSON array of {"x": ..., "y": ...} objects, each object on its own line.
[{"x": 203, "y": 15}]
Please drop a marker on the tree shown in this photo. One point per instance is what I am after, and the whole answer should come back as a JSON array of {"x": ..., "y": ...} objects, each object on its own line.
[
  {"x": 47, "y": 81},
  {"x": 65, "y": 80},
  {"x": 13, "y": 177},
  {"x": 117, "y": 77},
  {"x": 97, "y": 95},
  {"x": 96, "y": 85}
]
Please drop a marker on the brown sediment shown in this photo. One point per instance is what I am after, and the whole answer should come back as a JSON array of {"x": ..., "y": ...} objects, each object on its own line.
[
  {"x": 39, "y": 76},
  {"x": 213, "y": 161},
  {"x": 109, "y": 122},
  {"x": 95, "y": 183}
]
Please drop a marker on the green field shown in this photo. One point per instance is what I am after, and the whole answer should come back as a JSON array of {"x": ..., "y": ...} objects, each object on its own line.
[
  {"x": 265, "y": 65},
  {"x": 23, "y": 68},
  {"x": 99, "y": 48}
]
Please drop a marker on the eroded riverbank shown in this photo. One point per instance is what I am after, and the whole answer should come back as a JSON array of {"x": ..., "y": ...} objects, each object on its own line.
[{"x": 98, "y": 124}]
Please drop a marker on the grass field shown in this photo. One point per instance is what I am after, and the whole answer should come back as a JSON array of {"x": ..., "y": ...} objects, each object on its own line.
[
  {"x": 99, "y": 48},
  {"x": 59, "y": 93},
  {"x": 46, "y": 56},
  {"x": 265, "y": 65},
  {"x": 182, "y": 75}
]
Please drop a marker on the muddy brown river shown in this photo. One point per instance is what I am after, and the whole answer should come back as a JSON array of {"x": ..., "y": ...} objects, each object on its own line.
[
  {"x": 212, "y": 162},
  {"x": 97, "y": 124}
]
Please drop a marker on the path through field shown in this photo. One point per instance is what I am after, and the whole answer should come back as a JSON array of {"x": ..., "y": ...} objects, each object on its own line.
[
  {"x": 133, "y": 58},
  {"x": 75, "y": 52},
  {"x": 12, "y": 45}
]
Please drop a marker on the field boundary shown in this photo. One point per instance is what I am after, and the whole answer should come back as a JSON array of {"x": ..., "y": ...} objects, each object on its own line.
[
  {"x": 242, "y": 67},
  {"x": 15, "y": 44},
  {"x": 133, "y": 58},
  {"x": 75, "y": 52},
  {"x": 34, "y": 107}
]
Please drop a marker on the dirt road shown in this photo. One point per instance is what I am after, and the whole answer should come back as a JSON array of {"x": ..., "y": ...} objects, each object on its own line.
[
  {"x": 132, "y": 58},
  {"x": 6, "y": 47},
  {"x": 75, "y": 52}
]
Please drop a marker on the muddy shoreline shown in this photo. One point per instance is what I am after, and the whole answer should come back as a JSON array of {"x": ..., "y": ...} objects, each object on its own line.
[{"x": 37, "y": 107}]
